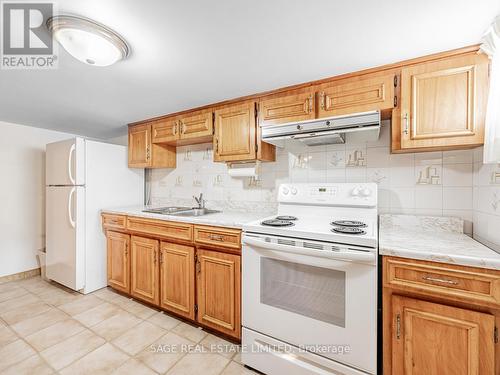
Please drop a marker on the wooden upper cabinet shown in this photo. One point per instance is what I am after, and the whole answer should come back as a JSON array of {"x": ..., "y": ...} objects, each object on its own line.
[
  {"x": 357, "y": 94},
  {"x": 296, "y": 106},
  {"x": 434, "y": 339},
  {"x": 144, "y": 269},
  {"x": 235, "y": 133},
  {"x": 139, "y": 146},
  {"x": 219, "y": 291},
  {"x": 118, "y": 260},
  {"x": 143, "y": 153},
  {"x": 196, "y": 126},
  {"x": 177, "y": 279},
  {"x": 166, "y": 130},
  {"x": 443, "y": 103}
]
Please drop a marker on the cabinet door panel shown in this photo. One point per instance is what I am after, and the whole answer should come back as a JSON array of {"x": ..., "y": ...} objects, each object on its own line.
[
  {"x": 144, "y": 269},
  {"x": 359, "y": 94},
  {"x": 165, "y": 131},
  {"x": 139, "y": 143},
  {"x": 118, "y": 261},
  {"x": 235, "y": 133},
  {"x": 299, "y": 106},
  {"x": 219, "y": 291},
  {"x": 434, "y": 339},
  {"x": 443, "y": 102},
  {"x": 177, "y": 279},
  {"x": 196, "y": 126}
]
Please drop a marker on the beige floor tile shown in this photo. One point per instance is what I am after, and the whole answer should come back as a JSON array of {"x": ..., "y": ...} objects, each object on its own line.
[
  {"x": 13, "y": 353},
  {"x": 106, "y": 294},
  {"x": 54, "y": 334},
  {"x": 103, "y": 360},
  {"x": 165, "y": 352},
  {"x": 5, "y": 287},
  {"x": 41, "y": 286},
  {"x": 190, "y": 332},
  {"x": 17, "y": 302},
  {"x": 137, "y": 338},
  {"x": 237, "y": 358},
  {"x": 81, "y": 304},
  {"x": 97, "y": 314},
  {"x": 199, "y": 363},
  {"x": 69, "y": 350},
  {"x": 38, "y": 322},
  {"x": 57, "y": 297},
  {"x": 164, "y": 321},
  {"x": 33, "y": 365},
  {"x": 116, "y": 325},
  {"x": 220, "y": 346},
  {"x": 236, "y": 369},
  {"x": 12, "y": 293},
  {"x": 121, "y": 300},
  {"x": 6, "y": 336},
  {"x": 25, "y": 312},
  {"x": 133, "y": 367},
  {"x": 138, "y": 309}
]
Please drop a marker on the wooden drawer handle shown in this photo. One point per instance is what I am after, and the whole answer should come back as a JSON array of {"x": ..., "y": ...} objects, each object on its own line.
[
  {"x": 438, "y": 280},
  {"x": 216, "y": 237}
]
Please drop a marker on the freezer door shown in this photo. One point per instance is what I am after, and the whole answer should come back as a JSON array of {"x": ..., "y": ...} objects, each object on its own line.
[
  {"x": 65, "y": 235},
  {"x": 65, "y": 162}
]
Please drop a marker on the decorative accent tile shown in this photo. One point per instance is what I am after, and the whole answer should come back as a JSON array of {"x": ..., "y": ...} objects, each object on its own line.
[
  {"x": 356, "y": 158},
  {"x": 429, "y": 176},
  {"x": 188, "y": 155}
]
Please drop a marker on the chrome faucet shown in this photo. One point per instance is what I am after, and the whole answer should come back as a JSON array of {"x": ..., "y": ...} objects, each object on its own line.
[{"x": 200, "y": 201}]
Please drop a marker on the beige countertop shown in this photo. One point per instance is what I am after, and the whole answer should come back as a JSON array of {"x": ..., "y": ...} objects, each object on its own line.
[
  {"x": 438, "y": 239},
  {"x": 231, "y": 219}
]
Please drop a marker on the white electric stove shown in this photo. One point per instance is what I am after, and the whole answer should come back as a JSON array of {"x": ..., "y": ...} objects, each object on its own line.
[{"x": 310, "y": 282}]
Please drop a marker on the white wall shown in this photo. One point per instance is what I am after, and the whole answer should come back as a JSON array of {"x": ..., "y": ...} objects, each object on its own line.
[
  {"x": 22, "y": 195},
  {"x": 404, "y": 186}
]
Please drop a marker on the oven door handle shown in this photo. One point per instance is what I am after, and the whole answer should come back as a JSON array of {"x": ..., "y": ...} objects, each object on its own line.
[{"x": 354, "y": 256}]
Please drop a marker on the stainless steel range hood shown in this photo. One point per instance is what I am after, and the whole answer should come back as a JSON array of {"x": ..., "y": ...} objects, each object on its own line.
[{"x": 357, "y": 127}]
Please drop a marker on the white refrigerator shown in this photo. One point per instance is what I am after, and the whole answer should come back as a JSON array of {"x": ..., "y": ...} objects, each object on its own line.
[{"x": 83, "y": 177}]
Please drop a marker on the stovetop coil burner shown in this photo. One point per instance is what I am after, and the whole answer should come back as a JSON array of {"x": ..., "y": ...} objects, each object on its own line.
[
  {"x": 348, "y": 230},
  {"x": 349, "y": 223},
  {"x": 286, "y": 218},
  {"x": 277, "y": 223}
]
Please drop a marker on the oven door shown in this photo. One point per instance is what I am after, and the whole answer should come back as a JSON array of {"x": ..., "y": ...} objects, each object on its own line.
[{"x": 324, "y": 302}]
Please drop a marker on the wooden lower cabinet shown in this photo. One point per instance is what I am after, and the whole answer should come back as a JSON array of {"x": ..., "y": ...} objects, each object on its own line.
[
  {"x": 197, "y": 278},
  {"x": 177, "y": 279},
  {"x": 118, "y": 261},
  {"x": 219, "y": 291},
  {"x": 438, "y": 320},
  {"x": 144, "y": 270},
  {"x": 434, "y": 339}
]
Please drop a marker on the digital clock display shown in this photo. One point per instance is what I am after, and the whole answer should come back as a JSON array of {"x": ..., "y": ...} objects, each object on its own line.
[{"x": 322, "y": 190}]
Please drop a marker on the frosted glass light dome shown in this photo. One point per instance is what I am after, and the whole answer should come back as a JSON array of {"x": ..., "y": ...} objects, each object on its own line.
[{"x": 88, "y": 41}]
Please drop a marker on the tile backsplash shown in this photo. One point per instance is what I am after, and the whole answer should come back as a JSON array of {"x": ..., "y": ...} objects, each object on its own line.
[
  {"x": 433, "y": 183},
  {"x": 486, "y": 202}
]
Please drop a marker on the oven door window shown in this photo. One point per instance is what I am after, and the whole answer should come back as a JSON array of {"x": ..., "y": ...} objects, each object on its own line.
[{"x": 315, "y": 292}]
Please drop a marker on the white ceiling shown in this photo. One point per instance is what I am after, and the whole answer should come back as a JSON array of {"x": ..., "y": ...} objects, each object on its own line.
[{"x": 194, "y": 52}]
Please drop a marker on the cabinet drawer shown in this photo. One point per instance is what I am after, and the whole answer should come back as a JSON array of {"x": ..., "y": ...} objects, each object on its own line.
[
  {"x": 160, "y": 228},
  {"x": 443, "y": 280},
  {"x": 219, "y": 237},
  {"x": 110, "y": 221}
]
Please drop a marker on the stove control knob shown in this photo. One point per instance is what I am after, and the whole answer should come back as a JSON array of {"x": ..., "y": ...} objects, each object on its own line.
[
  {"x": 294, "y": 191},
  {"x": 366, "y": 192},
  {"x": 355, "y": 192},
  {"x": 285, "y": 190}
]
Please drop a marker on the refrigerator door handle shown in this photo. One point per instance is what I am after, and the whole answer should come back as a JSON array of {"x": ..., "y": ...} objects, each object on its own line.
[
  {"x": 70, "y": 166},
  {"x": 70, "y": 206}
]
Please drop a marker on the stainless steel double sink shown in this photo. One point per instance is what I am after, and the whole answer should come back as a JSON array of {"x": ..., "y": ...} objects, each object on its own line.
[{"x": 181, "y": 211}]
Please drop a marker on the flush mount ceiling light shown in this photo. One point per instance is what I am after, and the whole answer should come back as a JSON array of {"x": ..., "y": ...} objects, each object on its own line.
[{"x": 87, "y": 40}]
